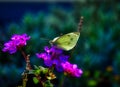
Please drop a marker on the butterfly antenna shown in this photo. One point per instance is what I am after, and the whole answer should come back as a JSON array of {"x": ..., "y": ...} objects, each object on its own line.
[
  {"x": 44, "y": 39},
  {"x": 80, "y": 23}
]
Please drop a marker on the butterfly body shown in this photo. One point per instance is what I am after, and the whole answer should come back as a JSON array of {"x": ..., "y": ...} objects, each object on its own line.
[{"x": 66, "y": 41}]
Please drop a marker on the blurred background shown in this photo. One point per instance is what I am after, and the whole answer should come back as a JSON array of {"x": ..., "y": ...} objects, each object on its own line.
[{"x": 98, "y": 49}]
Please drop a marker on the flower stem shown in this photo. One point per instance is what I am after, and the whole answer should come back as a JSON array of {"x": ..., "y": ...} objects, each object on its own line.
[
  {"x": 28, "y": 66},
  {"x": 25, "y": 80},
  {"x": 61, "y": 81},
  {"x": 27, "y": 59}
]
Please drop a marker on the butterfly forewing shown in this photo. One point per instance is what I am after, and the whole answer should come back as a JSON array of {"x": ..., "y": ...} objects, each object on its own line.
[{"x": 67, "y": 41}]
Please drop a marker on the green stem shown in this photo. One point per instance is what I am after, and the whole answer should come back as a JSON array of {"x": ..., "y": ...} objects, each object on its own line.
[
  {"x": 62, "y": 81},
  {"x": 25, "y": 80}
]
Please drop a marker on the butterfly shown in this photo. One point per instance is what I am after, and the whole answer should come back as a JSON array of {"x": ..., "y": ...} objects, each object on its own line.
[{"x": 67, "y": 41}]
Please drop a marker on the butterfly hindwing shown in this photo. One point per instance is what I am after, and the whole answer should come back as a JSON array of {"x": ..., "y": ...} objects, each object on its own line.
[{"x": 67, "y": 41}]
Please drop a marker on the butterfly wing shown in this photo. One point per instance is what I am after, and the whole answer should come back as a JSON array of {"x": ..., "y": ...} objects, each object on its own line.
[{"x": 67, "y": 41}]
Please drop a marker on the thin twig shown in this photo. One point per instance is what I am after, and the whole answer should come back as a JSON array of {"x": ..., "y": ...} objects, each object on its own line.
[
  {"x": 80, "y": 23},
  {"x": 28, "y": 66}
]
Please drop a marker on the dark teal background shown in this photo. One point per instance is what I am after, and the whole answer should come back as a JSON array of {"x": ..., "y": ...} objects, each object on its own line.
[{"x": 97, "y": 51}]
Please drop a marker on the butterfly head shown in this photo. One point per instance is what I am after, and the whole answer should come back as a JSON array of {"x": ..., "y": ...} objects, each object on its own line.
[{"x": 52, "y": 42}]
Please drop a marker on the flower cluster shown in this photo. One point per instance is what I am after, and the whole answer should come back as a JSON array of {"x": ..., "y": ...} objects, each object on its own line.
[
  {"x": 16, "y": 42},
  {"x": 54, "y": 57},
  {"x": 72, "y": 69}
]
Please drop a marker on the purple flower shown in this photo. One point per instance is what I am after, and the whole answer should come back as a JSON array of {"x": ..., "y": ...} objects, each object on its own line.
[
  {"x": 20, "y": 40},
  {"x": 10, "y": 47},
  {"x": 53, "y": 56},
  {"x": 71, "y": 69},
  {"x": 16, "y": 42}
]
